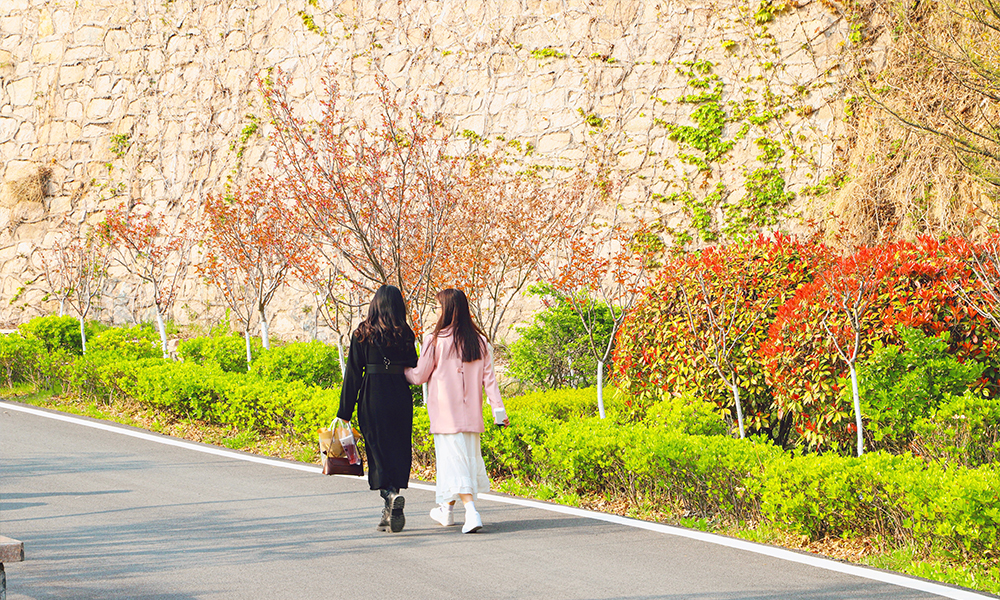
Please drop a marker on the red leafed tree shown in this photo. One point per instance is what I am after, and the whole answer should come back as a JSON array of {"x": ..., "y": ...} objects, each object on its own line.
[
  {"x": 848, "y": 290},
  {"x": 726, "y": 301},
  {"x": 156, "y": 254},
  {"x": 505, "y": 224},
  {"x": 376, "y": 195},
  {"x": 603, "y": 266},
  {"x": 252, "y": 243},
  {"x": 974, "y": 274}
]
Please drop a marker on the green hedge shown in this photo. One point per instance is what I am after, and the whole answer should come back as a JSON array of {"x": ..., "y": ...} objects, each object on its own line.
[{"x": 666, "y": 463}]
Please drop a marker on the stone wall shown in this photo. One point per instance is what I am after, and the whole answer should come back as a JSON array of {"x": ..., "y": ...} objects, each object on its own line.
[{"x": 104, "y": 101}]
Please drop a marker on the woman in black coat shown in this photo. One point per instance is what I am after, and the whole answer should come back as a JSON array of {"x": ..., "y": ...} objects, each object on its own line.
[{"x": 381, "y": 347}]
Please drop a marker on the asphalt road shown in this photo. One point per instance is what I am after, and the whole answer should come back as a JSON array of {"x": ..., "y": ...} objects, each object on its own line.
[{"x": 106, "y": 515}]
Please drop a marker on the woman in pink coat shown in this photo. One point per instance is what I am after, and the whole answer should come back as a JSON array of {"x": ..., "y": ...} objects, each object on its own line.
[{"x": 457, "y": 362}]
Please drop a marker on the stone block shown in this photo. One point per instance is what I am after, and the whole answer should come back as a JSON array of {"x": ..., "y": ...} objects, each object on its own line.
[
  {"x": 554, "y": 141},
  {"x": 8, "y": 128},
  {"x": 11, "y": 25},
  {"x": 26, "y": 133},
  {"x": 47, "y": 52},
  {"x": 82, "y": 54},
  {"x": 99, "y": 109},
  {"x": 27, "y": 212},
  {"x": 89, "y": 35},
  {"x": 116, "y": 42},
  {"x": 102, "y": 85},
  {"x": 74, "y": 111},
  {"x": 22, "y": 92},
  {"x": 32, "y": 233}
]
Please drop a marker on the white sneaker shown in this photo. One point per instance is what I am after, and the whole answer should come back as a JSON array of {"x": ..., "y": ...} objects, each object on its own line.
[
  {"x": 443, "y": 515},
  {"x": 473, "y": 522}
]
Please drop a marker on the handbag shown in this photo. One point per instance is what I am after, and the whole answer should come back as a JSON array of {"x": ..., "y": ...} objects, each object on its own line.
[
  {"x": 340, "y": 458},
  {"x": 339, "y": 465}
]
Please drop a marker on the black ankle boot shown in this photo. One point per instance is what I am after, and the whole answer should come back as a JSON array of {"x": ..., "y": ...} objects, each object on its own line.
[
  {"x": 383, "y": 525},
  {"x": 396, "y": 518}
]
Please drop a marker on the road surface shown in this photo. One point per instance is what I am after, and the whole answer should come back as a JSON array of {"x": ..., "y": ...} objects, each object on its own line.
[{"x": 106, "y": 514}]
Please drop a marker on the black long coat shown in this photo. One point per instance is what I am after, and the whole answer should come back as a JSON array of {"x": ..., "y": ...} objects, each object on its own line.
[{"x": 385, "y": 410}]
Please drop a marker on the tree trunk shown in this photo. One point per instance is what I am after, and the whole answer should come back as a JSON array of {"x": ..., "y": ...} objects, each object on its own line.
[
  {"x": 246, "y": 337},
  {"x": 340, "y": 356},
  {"x": 423, "y": 386},
  {"x": 83, "y": 335},
  {"x": 857, "y": 409},
  {"x": 315, "y": 335},
  {"x": 163, "y": 332},
  {"x": 62, "y": 306},
  {"x": 265, "y": 337},
  {"x": 739, "y": 408},
  {"x": 600, "y": 388}
]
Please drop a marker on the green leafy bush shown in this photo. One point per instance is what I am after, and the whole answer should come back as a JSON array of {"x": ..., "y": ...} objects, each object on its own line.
[
  {"x": 139, "y": 341},
  {"x": 19, "y": 358},
  {"x": 55, "y": 332},
  {"x": 228, "y": 352},
  {"x": 687, "y": 413},
  {"x": 901, "y": 384},
  {"x": 563, "y": 404},
  {"x": 963, "y": 430},
  {"x": 553, "y": 351},
  {"x": 312, "y": 363}
]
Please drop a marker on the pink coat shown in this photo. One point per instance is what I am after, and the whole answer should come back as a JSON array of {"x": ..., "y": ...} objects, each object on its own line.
[{"x": 455, "y": 393}]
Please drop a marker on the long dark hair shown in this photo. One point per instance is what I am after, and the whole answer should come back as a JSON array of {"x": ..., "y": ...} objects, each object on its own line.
[
  {"x": 455, "y": 314},
  {"x": 386, "y": 323}
]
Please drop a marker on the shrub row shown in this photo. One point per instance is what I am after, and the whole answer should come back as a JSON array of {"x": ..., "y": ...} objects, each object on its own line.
[
  {"x": 665, "y": 462},
  {"x": 293, "y": 387}
]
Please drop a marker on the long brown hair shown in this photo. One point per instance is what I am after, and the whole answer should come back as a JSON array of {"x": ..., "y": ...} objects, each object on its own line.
[
  {"x": 386, "y": 323},
  {"x": 455, "y": 314}
]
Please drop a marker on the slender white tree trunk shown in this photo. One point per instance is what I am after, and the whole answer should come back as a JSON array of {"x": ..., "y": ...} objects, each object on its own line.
[
  {"x": 857, "y": 410},
  {"x": 600, "y": 388},
  {"x": 83, "y": 335},
  {"x": 62, "y": 306},
  {"x": 265, "y": 337},
  {"x": 163, "y": 332},
  {"x": 340, "y": 356},
  {"x": 423, "y": 387},
  {"x": 739, "y": 408},
  {"x": 246, "y": 338},
  {"x": 315, "y": 335}
]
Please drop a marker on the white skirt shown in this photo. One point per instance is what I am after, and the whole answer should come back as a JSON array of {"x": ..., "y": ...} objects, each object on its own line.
[{"x": 460, "y": 466}]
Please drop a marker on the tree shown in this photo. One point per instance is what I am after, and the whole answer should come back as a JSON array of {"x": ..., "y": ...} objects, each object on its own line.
[
  {"x": 850, "y": 287},
  {"x": 252, "y": 242},
  {"x": 974, "y": 274},
  {"x": 603, "y": 268},
  {"x": 83, "y": 266},
  {"x": 944, "y": 78},
  {"x": 376, "y": 196},
  {"x": 506, "y": 222},
  {"x": 55, "y": 270},
  {"x": 554, "y": 350},
  {"x": 156, "y": 256}
]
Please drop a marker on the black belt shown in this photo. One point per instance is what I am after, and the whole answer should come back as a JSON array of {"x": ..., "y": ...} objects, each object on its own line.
[{"x": 376, "y": 369}]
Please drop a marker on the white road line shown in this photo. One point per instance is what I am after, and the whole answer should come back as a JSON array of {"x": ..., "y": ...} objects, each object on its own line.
[{"x": 779, "y": 553}]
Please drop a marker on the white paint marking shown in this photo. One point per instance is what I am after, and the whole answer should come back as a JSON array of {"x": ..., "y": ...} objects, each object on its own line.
[{"x": 779, "y": 553}]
